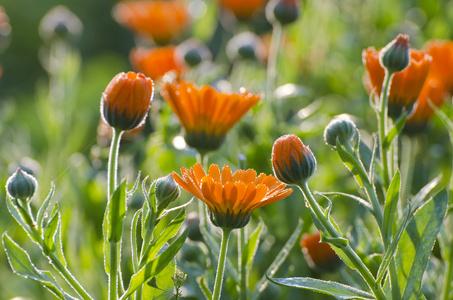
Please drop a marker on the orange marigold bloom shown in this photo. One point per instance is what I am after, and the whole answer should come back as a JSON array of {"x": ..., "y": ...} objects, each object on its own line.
[
  {"x": 405, "y": 86},
  {"x": 319, "y": 256},
  {"x": 206, "y": 114},
  {"x": 160, "y": 20},
  {"x": 442, "y": 64},
  {"x": 292, "y": 161},
  {"x": 231, "y": 198},
  {"x": 126, "y": 100},
  {"x": 243, "y": 9},
  {"x": 155, "y": 62}
]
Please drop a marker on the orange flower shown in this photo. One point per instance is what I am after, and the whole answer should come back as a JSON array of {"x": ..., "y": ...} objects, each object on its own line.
[
  {"x": 405, "y": 86},
  {"x": 155, "y": 62},
  {"x": 231, "y": 198},
  {"x": 292, "y": 161},
  {"x": 319, "y": 256},
  {"x": 126, "y": 100},
  {"x": 160, "y": 20},
  {"x": 206, "y": 114},
  {"x": 243, "y": 9},
  {"x": 442, "y": 64}
]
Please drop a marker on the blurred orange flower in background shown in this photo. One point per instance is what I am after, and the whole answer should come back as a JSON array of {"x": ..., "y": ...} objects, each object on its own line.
[
  {"x": 231, "y": 197},
  {"x": 155, "y": 62},
  {"x": 160, "y": 20},
  {"x": 319, "y": 256},
  {"x": 405, "y": 86},
  {"x": 206, "y": 114},
  {"x": 243, "y": 9}
]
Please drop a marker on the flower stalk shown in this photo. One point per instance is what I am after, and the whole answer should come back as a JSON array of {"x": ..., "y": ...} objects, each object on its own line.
[
  {"x": 383, "y": 121},
  {"x": 221, "y": 265}
]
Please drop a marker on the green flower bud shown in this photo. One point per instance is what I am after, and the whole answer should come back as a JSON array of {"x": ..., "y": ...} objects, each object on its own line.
[
  {"x": 395, "y": 57},
  {"x": 247, "y": 46},
  {"x": 341, "y": 128},
  {"x": 167, "y": 191},
  {"x": 193, "y": 223},
  {"x": 193, "y": 52},
  {"x": 21, "y": 185},
  {"x": 60, "y": 23},
  {"x": 282, "y": 11}
]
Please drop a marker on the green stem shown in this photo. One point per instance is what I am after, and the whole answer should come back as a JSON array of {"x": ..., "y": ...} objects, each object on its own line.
[
  {"x": 448, "y": 275},
  {"x": 221, "y": 266},
  {"x": 347, "y": 250},
  {"x": 383, "y": 112},
  {"x": 112, "y": 180},
  {"x": 242, "y": 265}
]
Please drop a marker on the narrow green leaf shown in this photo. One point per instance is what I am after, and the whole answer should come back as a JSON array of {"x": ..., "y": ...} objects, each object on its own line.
[
  {"x": 335, "y": 289},
  {"x": 134, "y": 188},
  {"x": 349, "y": 162},
  {"x": 396, "y": 129},
  {"x": 167, "y": 211},
  {"x": 391, "y": 205},
  {"x": 15, "y": 211},
  {"x": 134, "y": 242},
  {"x": 204, "y": 288},
  {"x": 249, "y": 251},
  {"x": 163, "y": 281},
  {"x": 50, "y": 232},
  {"x": 155, "y": 266},
  {"x": 278, "y": 261},
  {"x": 42, "y": 210},
  {"x": 355, "y": 198},
  {"x": 421, "y": 196},
  {"x": 21, "y": 264},
  {"x": 169, "y": 232},
  {"x": 416, "y": 244},
  {"x": 117, "y": 212}
]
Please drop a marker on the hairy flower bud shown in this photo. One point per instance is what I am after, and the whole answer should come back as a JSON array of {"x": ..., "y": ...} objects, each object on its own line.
[
  {"x": 245, "y": 45},
  {"x": 292, "y": 161},
  {"x": 167, "y": 190},
  {"x": 282, "y": 11},
  {"x": 395, "y": 56},
  {"x": 341, "y": 128},
  {"x": 21, "y": 185}
]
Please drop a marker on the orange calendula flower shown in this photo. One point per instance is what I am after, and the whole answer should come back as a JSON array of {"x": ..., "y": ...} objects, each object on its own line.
[
  {"x": 319, "y": 256},
  {"x": 231, "y": 197},
  {"x": 292, "y": 161},
  {"x": 126, "y": 100},
  {"x": 206, "y": 114},
  {"x": 406, "y": 85},
  {"x": 442, "y": 64},
  {"x": 160, "y": 20},
  {"x": 243, "y": 9},
  {"x": 155, "y": 62}
]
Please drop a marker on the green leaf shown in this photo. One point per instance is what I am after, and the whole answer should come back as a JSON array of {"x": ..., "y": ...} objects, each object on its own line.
[
  {"x": 335, "y": 289},
  {"x": 51, "y": 231},
  {"x": 21, "y": 264},
  {"x": 279, "y": 259},
  {"x": 349, "y": 162},
  {"x": 204, "y": 288},
  {"x": 421, "y": 196},
  {"x": 355, "y": 198},
  {"x": 396, "y": 129},
  {"x": 163, "y": 284},
  {"x": 391, "y": 206},
  {"x": 169, "y": 232},
  {"x": 134, "y": 188},
  {"x": 249, "y": 251},
  {"x": 154, "y": 267},
  {"x": 117, "y": 212},
  {"x": 42, "y": 210},
  {"x": 134, "y": 242},
  {"x": 416, "y": 244}
]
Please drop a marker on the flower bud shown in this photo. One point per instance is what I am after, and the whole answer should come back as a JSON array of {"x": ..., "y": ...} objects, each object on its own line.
[
  {"x": 126, "y": 100},
  {"x": 319, "y": 256},
  {"x": 245, "y": 45},
  {"x": 395, "y": 57},
  {"x": 167, "y": 190},
  {"x": 282, "y": 11},
  {"x": 292, "y": 161},
  {"x": 193, "y": 223},
  {"x": 341, "y": 128},
  {"x": 193, "y": 52},
  {"x": 60, "y": 23},
  {"x": 21, "y": 185}
]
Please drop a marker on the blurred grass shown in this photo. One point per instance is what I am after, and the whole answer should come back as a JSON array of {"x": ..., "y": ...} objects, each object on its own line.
[{"x": 321, "y": 55}]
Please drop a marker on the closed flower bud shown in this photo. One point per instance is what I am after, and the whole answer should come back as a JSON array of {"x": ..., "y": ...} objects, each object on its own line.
[
  {"x": 193, "y": 52},
  {"x": 21, "y": 185},
  {"x": 167, "y": 190},
  {"x": 282, "y": 11},
  {"x": 292, "y": 161},
  {"x": 319, "y": 256},
  {"x": 60, "y": 23},
  {"x": 395, "y": 56},
  {"x": 341, "y": 128},
  {"x": 193, "y": 223},
  {"x": 126, "y": 100},
  {"x": 245, "y": 45}
]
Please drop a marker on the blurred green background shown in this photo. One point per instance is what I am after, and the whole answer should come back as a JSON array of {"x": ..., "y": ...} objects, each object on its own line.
[{"x": 57, "y": 133}]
